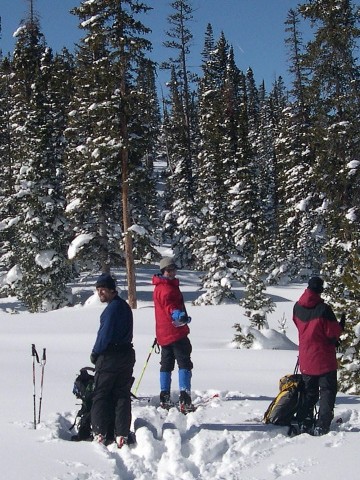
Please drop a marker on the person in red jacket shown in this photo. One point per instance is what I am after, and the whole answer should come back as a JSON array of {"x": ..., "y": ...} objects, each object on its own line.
[
  {"x": 319, "y": 332},
  {"x": 171, "y": 321}
]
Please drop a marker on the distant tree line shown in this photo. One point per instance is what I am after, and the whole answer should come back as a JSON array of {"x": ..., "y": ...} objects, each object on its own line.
[{"x": 258, "y": 187}]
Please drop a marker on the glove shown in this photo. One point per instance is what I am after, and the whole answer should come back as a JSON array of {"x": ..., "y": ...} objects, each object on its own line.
[
  {"x": 342, "y": 321},
  {"x": 177, "y": 315},
  {"x": 93, "y": 357},
  {"x": 180, "y": 318}
]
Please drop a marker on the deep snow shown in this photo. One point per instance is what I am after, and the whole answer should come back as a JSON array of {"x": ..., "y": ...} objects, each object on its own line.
[{"x": 223, "y": 440}]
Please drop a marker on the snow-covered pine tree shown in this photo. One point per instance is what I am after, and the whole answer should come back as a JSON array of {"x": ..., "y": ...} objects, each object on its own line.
[
  {"x": 256, "y": 303},
  {"x": 179, "y": 132},
  {"x": 145, "y": 131},
  {"x": 267, "y": 172},
  {"x": 7, "y": 186},
  {"x": 242, "y": 192},
  {"x": 217, "y": 166},
  {"x": 334, "y": 92},
  {"x": 300, "y": 225},
  {"x": 38, "y": 122},
  {"x": 247, "y": 223},
  {"x": 100, "y": 133},
  {"x": 92, "y": 168}
]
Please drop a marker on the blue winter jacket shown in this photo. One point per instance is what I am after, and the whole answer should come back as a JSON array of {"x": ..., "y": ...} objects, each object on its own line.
[{"x": 116, "y": 326}]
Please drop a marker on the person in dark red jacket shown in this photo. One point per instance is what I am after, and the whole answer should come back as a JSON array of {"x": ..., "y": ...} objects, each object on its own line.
[
  {"x": 172, "y": 333},
  {"x": 319, "y": 332}
]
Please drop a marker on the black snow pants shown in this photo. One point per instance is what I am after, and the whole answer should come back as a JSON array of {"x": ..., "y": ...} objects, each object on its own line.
[
  {"x": 322, "y": 388},
  {"x": 179, "y": 351},
  {"x": 111, "y": 407}
]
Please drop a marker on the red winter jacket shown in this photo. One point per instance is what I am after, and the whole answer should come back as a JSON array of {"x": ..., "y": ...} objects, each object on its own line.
[
  {"x": 167, "y": 298},
  {"x": 318, "y": 334}
]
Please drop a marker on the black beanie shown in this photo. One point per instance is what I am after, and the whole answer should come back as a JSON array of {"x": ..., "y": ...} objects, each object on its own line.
[
  {"x": 106, "y": 280},
  {"x": 316, "y": 284}
]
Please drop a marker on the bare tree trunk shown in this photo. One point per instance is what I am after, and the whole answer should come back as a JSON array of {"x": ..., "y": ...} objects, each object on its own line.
[
  {"x": 128, "y": 242},
  {"x": 124, "y": 159},
  {"x": 104, "y": 251}
]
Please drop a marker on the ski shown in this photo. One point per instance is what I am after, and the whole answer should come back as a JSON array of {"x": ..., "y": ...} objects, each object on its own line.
[{"x": 154, "y": 401}]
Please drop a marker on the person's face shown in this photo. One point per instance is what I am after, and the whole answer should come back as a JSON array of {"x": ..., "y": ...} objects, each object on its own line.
[
  {"x": 170, "y": 272},
  {"x": 105, "y": 294}
]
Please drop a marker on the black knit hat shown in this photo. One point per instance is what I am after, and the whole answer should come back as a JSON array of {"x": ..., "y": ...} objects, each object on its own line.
[
  {"x": 316, "y": 284},
  {"x": 106, "y": 281}
]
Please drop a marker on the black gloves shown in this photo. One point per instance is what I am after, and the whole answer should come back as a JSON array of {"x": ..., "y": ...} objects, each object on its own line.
[
  {"x": 342, "y": 321},
  {"x": 93, "y": 357}
]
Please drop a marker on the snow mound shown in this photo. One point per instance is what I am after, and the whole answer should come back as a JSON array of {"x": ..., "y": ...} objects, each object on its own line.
[{"x": 269, "y": 339}]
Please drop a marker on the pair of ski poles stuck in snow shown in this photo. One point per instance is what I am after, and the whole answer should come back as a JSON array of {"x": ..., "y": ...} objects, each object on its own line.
[{"x": 42, "y": 363}]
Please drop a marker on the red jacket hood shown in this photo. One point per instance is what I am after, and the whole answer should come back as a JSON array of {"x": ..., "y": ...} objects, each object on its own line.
[{"x": 309, "y": 299}]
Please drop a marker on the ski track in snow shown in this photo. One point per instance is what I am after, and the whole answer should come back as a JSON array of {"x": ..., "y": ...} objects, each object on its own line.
[{"x": 223, "y": 439}]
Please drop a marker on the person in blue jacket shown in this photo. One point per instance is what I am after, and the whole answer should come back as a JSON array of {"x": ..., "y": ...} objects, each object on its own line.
[{"x": 114, "y": 358}]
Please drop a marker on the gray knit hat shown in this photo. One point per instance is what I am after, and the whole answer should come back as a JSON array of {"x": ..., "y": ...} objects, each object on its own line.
[{"x": 167, "y": 262}]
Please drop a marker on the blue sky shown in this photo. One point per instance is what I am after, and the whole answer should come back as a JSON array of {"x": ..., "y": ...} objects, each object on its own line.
[{"x": 255, "y": 28}]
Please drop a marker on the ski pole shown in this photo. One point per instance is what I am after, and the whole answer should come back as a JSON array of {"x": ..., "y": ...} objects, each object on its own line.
[
  {"x": 146, "y": 363},
  {"x": 43, "y": 362},
  {"x": 35, "y": 355}
]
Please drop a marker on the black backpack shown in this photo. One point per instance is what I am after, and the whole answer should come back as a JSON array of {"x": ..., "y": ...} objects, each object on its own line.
[{"x": 83, "y": 389}]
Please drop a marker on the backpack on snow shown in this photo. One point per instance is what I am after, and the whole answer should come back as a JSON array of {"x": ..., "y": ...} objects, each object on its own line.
[
  {"x": 283, "y": 409},
  {"x": 83, "y": 389}
]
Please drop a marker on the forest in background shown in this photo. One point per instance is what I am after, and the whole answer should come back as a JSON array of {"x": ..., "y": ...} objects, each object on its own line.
[{"x": 259, "y": 186}]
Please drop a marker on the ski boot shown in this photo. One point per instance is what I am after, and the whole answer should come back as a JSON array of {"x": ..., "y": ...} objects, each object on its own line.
[
  {"x": 185, "y": 404},
  {"x": 129, "y": 440},
  {"x": 165, "y": 400}
]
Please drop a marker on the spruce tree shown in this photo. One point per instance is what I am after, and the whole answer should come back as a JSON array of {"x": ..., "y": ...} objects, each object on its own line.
[
  {"x": 334, "y": 89},
  {"x": 179, "y": 135},
  {"x": 101, "y": 132},
  {"x": 300, "y": 225},
  {"x": 145, "y": 128},
  {"x": 248, "y": 218},
  {"x": 38, "y": 129},
  {"x": 267, "y": 174},
  {"x": 257, "y": 305},
  {"x": 7, "y": 184},
  {"x": 218, "y": 124}
]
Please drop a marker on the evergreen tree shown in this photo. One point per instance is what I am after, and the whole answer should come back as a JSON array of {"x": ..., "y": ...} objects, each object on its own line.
[
  {"x": 179, "y": 130},
  {"x": 93, "y": 175},
  {"x": 145, "y": 128},
  {"x": 7, "y": 184},
  {"x": 242, "y": 192},
  {"x": 179, "y": 40},
  {"x": 300, "y": 226},
  {"x": 334, "y": 90},
  {"x": 248, "y": 223},
  {"x": 267, "y": 174},
  {"x": 39, "y": 203},
  {"x": 101, "y": 137},
  {"x": 217, "y": 164},
  {"x": 257, "y": 305}
]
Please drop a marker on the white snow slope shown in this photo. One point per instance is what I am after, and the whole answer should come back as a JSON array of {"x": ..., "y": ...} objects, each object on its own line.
[{"x": 224, "y": 439}]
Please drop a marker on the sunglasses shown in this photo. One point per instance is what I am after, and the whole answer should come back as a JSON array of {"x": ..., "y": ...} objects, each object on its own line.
[{"x": 170, "y": 269}]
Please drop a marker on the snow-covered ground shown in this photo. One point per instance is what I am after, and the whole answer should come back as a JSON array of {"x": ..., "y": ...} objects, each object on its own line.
[{"x": 225, "y": 439}]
